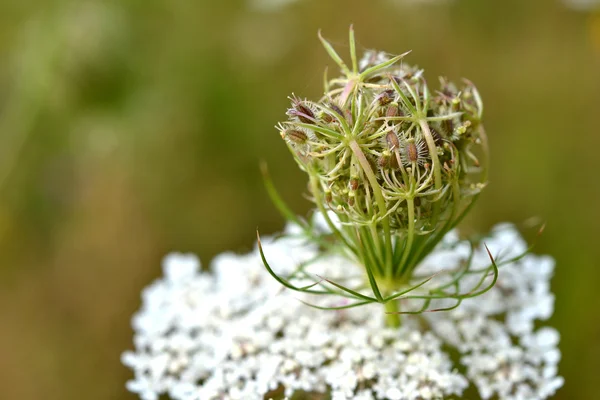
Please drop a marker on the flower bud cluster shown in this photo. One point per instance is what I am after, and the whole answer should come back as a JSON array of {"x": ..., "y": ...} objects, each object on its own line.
[
  {"x": 385, "y": 131},
  {"x": 397, "y": 163}
]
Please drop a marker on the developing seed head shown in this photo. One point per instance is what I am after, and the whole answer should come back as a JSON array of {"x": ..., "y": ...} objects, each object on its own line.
[
  {"x": 399, "y": 163},
  {"x": 414, "y": 152},
  {"x": 358, "y": 140}
]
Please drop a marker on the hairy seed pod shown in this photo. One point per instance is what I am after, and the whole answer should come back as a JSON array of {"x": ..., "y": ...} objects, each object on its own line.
[
  {"x": 411, "y": 152},
  {"x": 414, "y": 151},
  {"x": 304, "y": 113},
  {"x": 392, "y": 111},
  {"x": 301, "y": 111},
  {"x": 392, "y": 141},
  {"x": 296, "y": 136}
]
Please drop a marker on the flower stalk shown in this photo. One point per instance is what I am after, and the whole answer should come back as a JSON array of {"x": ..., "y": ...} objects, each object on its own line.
[{"x": 392, "y": 318}]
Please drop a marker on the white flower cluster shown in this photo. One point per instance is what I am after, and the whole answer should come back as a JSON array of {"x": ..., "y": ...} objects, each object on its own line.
[
  {"x": 234, "y": 333},
  {"x": 504, "y": 355}
]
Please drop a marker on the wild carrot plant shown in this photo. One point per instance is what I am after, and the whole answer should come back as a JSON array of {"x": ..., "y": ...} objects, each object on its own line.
[{"x": 398, "y": 165}]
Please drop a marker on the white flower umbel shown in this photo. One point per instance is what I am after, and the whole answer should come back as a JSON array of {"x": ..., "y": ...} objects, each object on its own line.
[{"x": 235, "y": 333}]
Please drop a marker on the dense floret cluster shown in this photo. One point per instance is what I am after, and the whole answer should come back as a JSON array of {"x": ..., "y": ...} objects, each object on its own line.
[
  {"x": 381, "y": 129},
  {"x": 234, "y": 333}
]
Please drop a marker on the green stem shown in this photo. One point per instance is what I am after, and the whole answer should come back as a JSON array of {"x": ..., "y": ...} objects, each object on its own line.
[
  {"x": 378, "y": 246},
  {"x": 411, "y": 231},
  {"x": 392, "y": 320},
  {"x": 371, "y": 249},
  {"x": 364, "y": 163},
  {"x": 437, "y": 171}
]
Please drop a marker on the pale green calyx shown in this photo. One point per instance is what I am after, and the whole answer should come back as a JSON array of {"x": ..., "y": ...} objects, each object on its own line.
[{"x": 400, "y": 164}]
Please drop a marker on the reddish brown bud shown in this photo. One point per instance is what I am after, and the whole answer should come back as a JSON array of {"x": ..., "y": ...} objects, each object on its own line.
[
  {"x": 392, "y": 111},
  {"x": 392, "y": 141},
  {"x": 301, "y": 111},
  {"x": 411, "y": 152},
  {"x": 296, "y": 136}
]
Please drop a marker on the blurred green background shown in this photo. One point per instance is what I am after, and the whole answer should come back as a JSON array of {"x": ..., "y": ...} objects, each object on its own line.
[{"x": 132, "y": 128}]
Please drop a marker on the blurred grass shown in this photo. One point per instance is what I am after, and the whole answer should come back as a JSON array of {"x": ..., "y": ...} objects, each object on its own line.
[{"x": 129, "y": 129}]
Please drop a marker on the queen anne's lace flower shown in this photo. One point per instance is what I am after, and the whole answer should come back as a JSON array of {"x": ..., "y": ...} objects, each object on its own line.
[{"x": 235, "y": 333}]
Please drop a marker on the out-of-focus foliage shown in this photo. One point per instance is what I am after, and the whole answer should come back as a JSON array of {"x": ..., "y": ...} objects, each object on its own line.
[{"x": 130, "y": 128}]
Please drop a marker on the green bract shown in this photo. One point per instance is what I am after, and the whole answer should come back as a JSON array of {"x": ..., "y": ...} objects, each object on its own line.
[{"x": 399, "y": 164}]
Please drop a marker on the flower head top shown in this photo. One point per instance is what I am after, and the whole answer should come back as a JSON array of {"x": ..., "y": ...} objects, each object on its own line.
[{"x": 398, "y": 163}]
